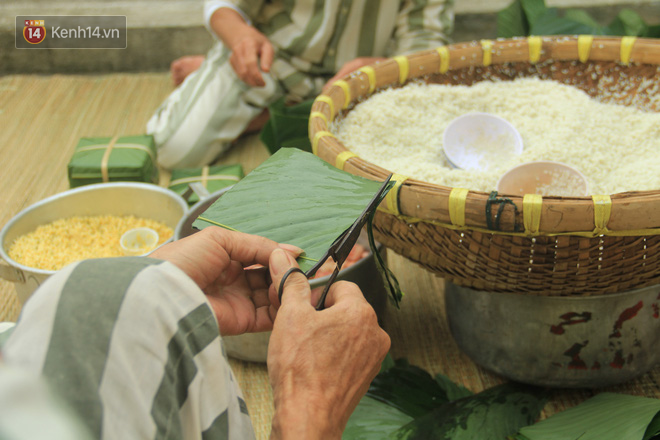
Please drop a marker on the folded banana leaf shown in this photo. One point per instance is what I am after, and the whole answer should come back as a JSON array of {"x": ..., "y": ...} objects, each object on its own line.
[
  {"x": 294, "y": 197},
  {"x": 405, "y": 402},
  {"x": 605, "y": 416}
]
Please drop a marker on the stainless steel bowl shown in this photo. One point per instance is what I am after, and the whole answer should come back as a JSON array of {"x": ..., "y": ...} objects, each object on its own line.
[
  {"x": 254, "y": 346},
  {"x": 120, "y": 198},
  {"x": 572, "y": 342}
]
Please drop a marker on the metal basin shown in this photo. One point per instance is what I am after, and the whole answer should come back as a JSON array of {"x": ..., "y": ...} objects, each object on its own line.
[
  {"x": 572, "y": 342},
  {"x": 121, "y": 198},
  {"x": 254, "y": 346}
]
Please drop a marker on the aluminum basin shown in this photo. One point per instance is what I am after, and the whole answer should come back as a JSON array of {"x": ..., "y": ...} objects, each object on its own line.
[
  {"x": 572, "y": 342},
  {"x": 119, "y": 198}
]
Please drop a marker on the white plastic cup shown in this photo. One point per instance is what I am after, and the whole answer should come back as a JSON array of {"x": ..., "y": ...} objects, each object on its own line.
[{"x": 138, "y": 241}]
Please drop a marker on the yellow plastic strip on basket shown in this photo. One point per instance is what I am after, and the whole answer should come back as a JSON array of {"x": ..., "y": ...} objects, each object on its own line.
[
  {"x": 316, "y": 115},
  {"x": 584, "y": 47},
  {"x": 392, "y": 197},
  {"x": 315, "y": 141},
  {"x": 443, "y": 51},
  {"x": 602, "y": 212},
  {"x": 588, "y": 234},
  {"x": 457, "y": 202},
  {"x": 487, "y": 47},
  {"x": 404, "y": 67},
  {"x": 342, "y": 158},
  {"x": 532, "y": 205},
  {"x": 627, "y": 44},
  {"x": 328, "y": 100},
  {"x": 535, "y": 44},
  {"x": 371, "y": 76},
  {"x": 347, "y": 91}
]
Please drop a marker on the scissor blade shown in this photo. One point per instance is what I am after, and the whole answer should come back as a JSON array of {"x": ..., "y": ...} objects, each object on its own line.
[
  {"x": 350, "y": 237},
  {"x": 342, "y": 246}
]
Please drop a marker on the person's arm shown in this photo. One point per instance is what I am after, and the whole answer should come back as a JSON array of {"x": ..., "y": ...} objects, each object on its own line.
[
  {"x": 422, "y": 25},
  {"x": 252, "y": 52},
  {"x": 320, "y": 363}
]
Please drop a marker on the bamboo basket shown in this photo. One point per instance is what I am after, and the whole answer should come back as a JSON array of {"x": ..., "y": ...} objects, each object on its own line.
[{"x": 502, "y": 243}]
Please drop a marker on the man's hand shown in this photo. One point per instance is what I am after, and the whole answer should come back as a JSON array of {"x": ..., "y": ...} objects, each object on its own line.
[
  {"x": 215, "y": 259},
  {"x": 252, "y": 52},
  {"x": 320, "y": 363},
  {"x": 351, "y": 66}
]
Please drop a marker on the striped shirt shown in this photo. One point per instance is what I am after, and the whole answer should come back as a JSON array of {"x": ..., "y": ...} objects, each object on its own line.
[
  {"x": 318, "y": 37},
  {"x": 132, "y": 346}
]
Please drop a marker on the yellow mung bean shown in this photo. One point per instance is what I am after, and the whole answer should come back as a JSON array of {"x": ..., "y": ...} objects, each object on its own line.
[{"x": 61, "y": 242}]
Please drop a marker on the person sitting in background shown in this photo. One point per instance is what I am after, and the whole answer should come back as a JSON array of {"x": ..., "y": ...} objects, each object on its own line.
[
  {"x": 266, "y": 50},
  {"x": 130, "y": 347}
]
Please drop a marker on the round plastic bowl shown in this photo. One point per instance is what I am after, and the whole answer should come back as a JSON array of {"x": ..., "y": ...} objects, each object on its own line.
[
  {"x": 479, "y": 140},
  {"x": 545, "y": 178},
  {"x": 138, "y": 241}
]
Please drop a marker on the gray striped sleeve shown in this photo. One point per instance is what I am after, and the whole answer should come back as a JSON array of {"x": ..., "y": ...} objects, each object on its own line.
[{"x": 134, "y": 349}]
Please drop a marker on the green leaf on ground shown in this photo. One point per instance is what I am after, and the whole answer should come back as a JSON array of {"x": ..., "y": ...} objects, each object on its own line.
[
  {"x": 653, "y": 430},
  {"x": 406, "y": 402},
  {"x": 408, "y": 388},
  {"x": 628, "y": 22},
  {"x": 492, "y": 414},
  {"x": 534, "y": 9},
  {"x": 605, "y": 416},
  {"x": 511, "y": 21},
  {"x": 374, "y": 420},
  {"x": 552, "y": 24},
  {"x": 453, "y": 390}
]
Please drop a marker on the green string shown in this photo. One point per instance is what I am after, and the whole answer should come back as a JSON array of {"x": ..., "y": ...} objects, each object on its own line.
[{"x": 502, "y": 202}]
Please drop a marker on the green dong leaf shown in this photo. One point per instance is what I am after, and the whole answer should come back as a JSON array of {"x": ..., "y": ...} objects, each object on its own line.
[
  {"x": 653, "y": 430},
  {"x": 605, "y": 416},
  {"x": 408, "y": 388},
  {"x": 293, "y": 197},
  {"x": 374, "y": 420},
  {"x": 628, "y": 23},
  {"x": 534, "y": 9},
  {"x": 552, "y": 24},
  {"x": 512, "y": 22},
  {"x": 492, "y": 414}
]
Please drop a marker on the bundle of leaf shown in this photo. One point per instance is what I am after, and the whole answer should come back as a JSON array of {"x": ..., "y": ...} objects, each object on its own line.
[
  {"x": 405, "y": 402},
  {"x": 533, "y": 17},
  {"x": 294, "y": 197}
]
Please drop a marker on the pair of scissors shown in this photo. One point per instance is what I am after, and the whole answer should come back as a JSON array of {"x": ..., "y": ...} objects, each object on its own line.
[{"x": 341, "y": 247}]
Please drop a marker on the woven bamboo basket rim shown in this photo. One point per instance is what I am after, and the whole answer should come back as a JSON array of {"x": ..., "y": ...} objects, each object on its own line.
[{"x": 634, "y": 213}]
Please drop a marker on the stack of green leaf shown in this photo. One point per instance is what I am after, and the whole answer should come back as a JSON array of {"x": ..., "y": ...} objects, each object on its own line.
[
  {"x": 405, "y": 402},
  {"x": 294, "y": 197},
  {"x": 533, "y": 17}
]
